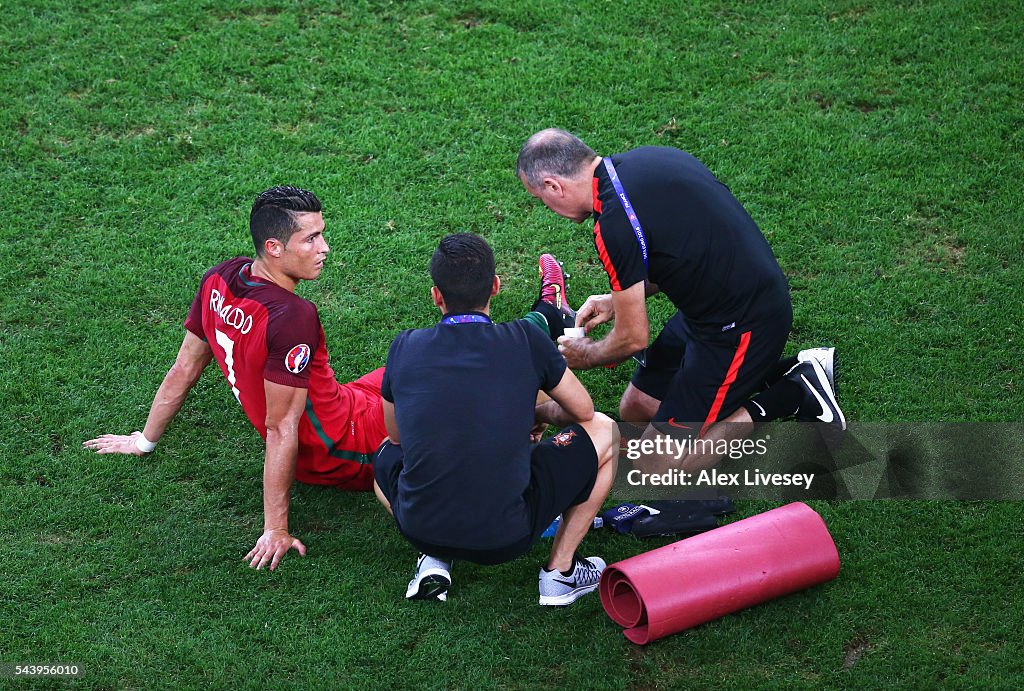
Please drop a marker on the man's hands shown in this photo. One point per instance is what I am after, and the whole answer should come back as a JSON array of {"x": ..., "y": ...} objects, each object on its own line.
[
  {"x": 271, "y": 547},
  {"x": 115, "y": 443},
  {"x": 537, "y": 433},
  {"x": 574, "y": 350},
  {"x": 597, "y": 310},
  {"x": 627, "y": 336}
]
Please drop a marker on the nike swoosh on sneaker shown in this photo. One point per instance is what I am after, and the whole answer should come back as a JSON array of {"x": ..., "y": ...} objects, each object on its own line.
[
  {"x": 826, "y": 412},
  {"x": 557, "y": 295},
  {"x": 571, "y": 584}
]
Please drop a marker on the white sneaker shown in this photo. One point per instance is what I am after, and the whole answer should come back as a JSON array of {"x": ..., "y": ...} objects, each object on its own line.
[
  {"x": 558, "y": 589},
  {"x": 432, "y": 580},
  {"x": 826, "y": 357}
]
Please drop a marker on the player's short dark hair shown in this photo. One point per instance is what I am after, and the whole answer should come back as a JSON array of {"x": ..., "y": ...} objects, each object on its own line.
[
  {"x": 273, "y": 214},
  {"x": 462, "y": 268},
  {"x": 552, "y": 152}
]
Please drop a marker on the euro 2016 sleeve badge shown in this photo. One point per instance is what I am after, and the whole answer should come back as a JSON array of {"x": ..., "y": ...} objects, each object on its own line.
[{"x": 297, "y": 358}]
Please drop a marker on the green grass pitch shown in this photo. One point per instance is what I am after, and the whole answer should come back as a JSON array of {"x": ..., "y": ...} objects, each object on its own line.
[{"x": 878, "y": 144}]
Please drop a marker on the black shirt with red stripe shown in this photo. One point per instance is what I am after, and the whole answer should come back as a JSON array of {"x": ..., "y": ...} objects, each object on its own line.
[{"x": 705, "y": 252}]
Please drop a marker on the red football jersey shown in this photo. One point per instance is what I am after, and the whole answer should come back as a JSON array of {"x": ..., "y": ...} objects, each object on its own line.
[{"x": 259, "y": 331}]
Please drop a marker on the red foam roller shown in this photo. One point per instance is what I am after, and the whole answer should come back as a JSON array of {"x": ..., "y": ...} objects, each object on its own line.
[{"x": 705, "y": 577}]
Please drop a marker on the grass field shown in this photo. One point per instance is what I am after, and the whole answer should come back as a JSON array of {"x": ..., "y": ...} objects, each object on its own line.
[{"x": 878, "y": 145}]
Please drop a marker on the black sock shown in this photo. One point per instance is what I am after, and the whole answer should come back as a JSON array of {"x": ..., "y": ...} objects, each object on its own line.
[
  {"x": 777, "y": 401},
  {"x": 780, "y": 368},
  {"x": 572, "y": 567},
  {"x": 557, "y": 319}
]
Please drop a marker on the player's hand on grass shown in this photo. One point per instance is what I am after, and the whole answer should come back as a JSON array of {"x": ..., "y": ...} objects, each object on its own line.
[
  {"x": 598, "y": 309},
  {"x": 537, "y": 433},
  {"x": 115, "y": 443},
  {"x": 271, "y": 548}
]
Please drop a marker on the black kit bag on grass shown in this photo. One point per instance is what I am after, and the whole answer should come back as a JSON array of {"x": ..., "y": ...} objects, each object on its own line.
[{"x": 680, "y": 517}]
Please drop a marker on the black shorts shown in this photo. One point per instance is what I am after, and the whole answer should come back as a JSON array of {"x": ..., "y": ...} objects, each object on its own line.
[
  {"x": 563, "y": 469},
  {"x": 702, "y": 377}
]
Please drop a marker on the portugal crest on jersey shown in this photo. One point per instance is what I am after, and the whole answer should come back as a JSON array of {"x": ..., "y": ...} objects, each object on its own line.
[
  {"x": 563, "y": 438},
  {"x": 297, "y": 358}
]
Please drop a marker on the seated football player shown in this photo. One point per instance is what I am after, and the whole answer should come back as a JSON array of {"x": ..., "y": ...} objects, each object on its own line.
[{"x": 271, "y": 349}]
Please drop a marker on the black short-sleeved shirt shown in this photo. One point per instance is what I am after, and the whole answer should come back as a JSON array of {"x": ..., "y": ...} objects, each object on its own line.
[
  {"x": 464, "y": 398},
  {"x": 704, "y": 250}
]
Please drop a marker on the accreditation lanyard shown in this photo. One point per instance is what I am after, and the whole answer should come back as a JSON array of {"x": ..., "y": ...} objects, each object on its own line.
[
  {"x": 466, "y": 319},
  {"x": 627, "y": 207}
]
